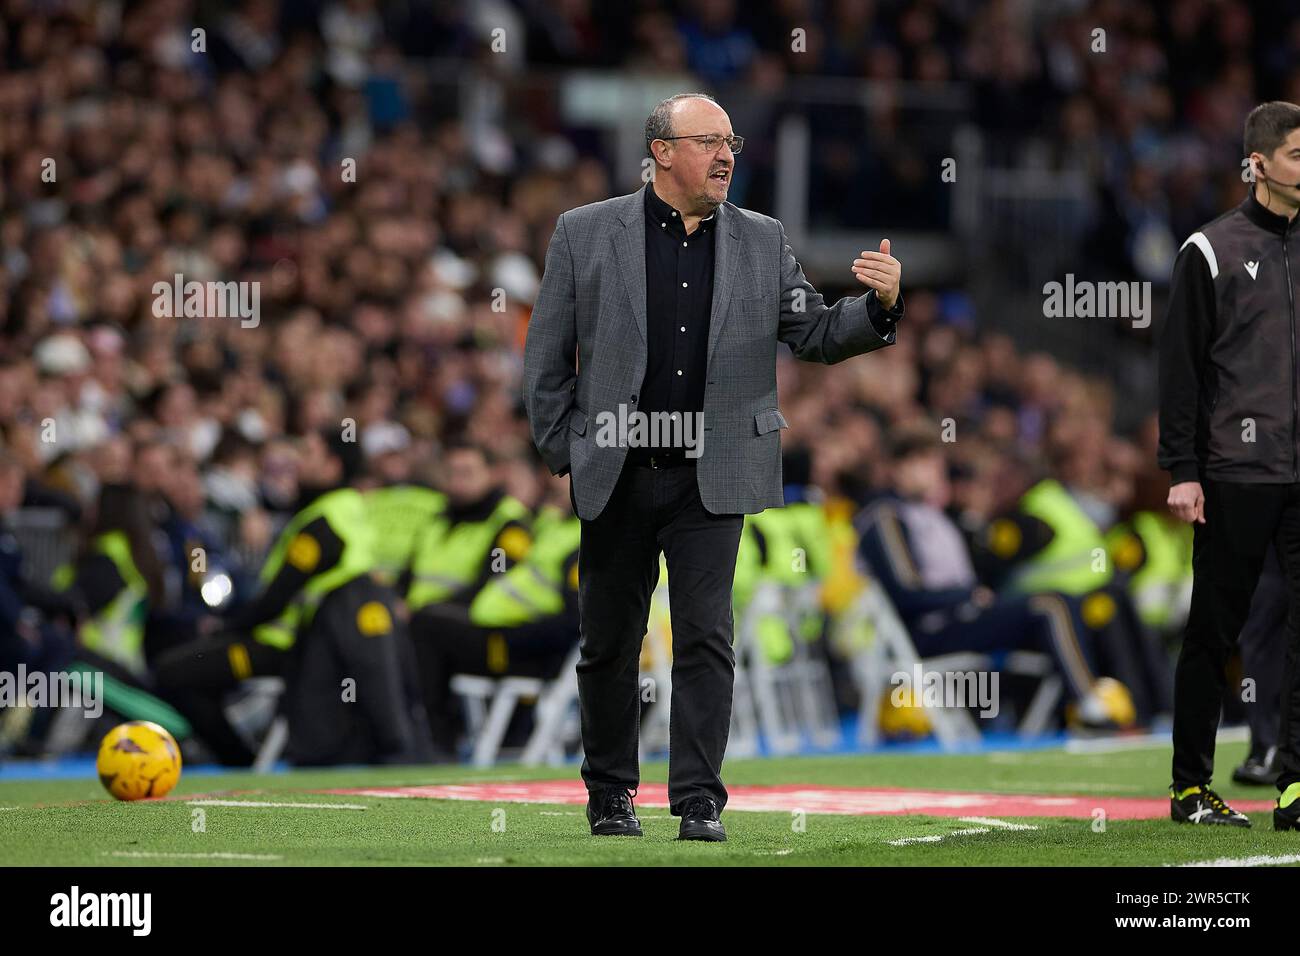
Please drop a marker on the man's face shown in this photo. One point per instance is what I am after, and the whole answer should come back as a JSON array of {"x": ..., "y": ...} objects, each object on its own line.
[
  {"x": 317, "y": 468},
  {"x": 694, "y": 172},
  {"x": 923, "y": 477},
  {"x": 1284, "y": 166},
  {"x": 153, "y": 466},
  {"x": 185, "y": 488},
  {"x": 468, "y": 476},
  {"x": 393, "y": 466}
]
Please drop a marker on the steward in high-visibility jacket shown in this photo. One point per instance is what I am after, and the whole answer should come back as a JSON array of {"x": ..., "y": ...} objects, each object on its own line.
[
  {"x": 542, "y": 585},
  {"x": 116, "y": 580},
  {"x": 465, "y": 545},
  {"x": 117, "y": 598},
  {"x": 323, "y": 621},
  {"x": 521, "y": 623},
  {"x": 1051, "y": 545},
  {"x": 397, "y": 514},
  {"x": 790, "y": 547},
  {"x": 325, "y": 546},
  {"x": 1154, "y": 551},
  {"x": 109, "y": 585}
]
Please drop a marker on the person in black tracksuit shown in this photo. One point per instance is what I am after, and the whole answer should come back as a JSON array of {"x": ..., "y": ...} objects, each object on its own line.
[{"x": 1230, "y": 439}]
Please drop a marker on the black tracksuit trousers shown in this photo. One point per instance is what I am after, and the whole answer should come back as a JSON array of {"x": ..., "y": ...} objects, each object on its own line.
[{"x": 1241, "y": 522}]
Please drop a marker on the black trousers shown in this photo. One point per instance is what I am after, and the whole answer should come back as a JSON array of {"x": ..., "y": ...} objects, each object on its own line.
[
  {"x": 653, "y": 510},
  {"x": 357, "y": 634},
  {"x": 447, "y": 643},
  {"x": 373, "y": 722},
  {"x": 1241, "y": 522},
  {"x": 195, "y": 677}
]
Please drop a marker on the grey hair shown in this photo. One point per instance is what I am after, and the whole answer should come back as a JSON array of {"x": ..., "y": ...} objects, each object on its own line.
[{"x": 659, "y": 124}]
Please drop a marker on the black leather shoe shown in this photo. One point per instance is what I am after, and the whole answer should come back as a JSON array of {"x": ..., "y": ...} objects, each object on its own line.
[
  {"x": 1257, "y": 771},
  {"x": 610, "y": 812},
  {"x": 700, "y": 820}
]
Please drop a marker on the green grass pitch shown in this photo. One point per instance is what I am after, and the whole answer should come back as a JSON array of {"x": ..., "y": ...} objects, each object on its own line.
[{"x": 74, "y": 823}]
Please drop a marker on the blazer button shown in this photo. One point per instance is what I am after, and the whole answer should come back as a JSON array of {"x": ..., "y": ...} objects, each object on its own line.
[{"x": 633, "y": 398}]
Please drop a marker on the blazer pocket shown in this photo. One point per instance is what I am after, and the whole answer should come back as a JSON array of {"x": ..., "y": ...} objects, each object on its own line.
[
  {"x": 768, "y": 420},
  {"x": 578, "y": 421}
]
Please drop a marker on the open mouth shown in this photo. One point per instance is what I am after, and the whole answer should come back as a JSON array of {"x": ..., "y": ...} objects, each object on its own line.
[{"x": 722, "y": 175}]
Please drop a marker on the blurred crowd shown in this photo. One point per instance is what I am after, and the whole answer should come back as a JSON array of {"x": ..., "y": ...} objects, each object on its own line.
[{"x": 396, "y": 234}]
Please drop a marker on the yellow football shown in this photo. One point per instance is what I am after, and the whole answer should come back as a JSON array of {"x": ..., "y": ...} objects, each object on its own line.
[{"x": 138, "y": 760}]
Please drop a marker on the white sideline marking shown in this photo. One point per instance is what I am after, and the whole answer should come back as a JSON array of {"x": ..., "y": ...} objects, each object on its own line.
[
  {"x": 1106, "y": 745},
  {"x": 1102, "y": 745},
  {"x": 266, "y": 803},
  {"x": 1245, "y": 861},
  {"x": 1033, "y": 788},
  {"x": 1000, "y": 824},
  {"x": 772, "y": 852},
  {"x": 578, "y": 813},
  {"x": 907, "y": 841},
  {"x": 144, "y": 854}
]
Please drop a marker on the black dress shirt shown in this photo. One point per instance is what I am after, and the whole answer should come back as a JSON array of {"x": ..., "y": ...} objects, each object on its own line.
[{"x": 679, "y": 303}]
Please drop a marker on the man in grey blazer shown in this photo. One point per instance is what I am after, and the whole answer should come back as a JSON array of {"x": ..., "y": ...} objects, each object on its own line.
[{"x": 650, "y": 376}]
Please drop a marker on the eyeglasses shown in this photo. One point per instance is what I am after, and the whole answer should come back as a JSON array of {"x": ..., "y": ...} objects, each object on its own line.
[{"x": 710, "y": 142}]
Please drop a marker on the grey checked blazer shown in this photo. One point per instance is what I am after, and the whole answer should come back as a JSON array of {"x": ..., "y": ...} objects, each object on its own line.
[{"x": 592, "y": 308}]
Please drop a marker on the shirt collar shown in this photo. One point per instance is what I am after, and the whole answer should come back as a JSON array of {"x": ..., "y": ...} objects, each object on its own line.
[
  {"x": 1261, "y": 216},
  {"x": 660, "y": 211}
]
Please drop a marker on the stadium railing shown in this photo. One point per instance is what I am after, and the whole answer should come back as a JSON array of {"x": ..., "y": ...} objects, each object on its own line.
[{"x": 47, "y": 540}]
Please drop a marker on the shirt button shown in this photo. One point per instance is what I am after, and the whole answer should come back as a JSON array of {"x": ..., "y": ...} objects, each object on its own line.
[
  {"x": 674, "y": 213},
  {"x": 683, "y": 244},
  {"x": 664, "y": 224},
  {"x": 683, "y": 285},
  {"x": 679, "y": 371},
  {"x": 683, "y": 328},
  {"x": 672, "y": 417}
]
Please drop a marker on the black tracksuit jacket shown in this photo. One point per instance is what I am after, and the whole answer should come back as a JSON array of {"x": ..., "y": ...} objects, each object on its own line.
[{"x": 1228, "y": 354}]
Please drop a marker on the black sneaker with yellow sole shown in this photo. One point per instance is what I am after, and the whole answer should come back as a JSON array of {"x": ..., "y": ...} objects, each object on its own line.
[
  {"x": 1202, "y": 805},
  {"x": 1286, "y": 815}
]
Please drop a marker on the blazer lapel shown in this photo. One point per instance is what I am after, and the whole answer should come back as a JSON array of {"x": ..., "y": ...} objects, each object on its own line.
[
  {"x": 629, "y": 246},
  {"x": 726, "y": 257}
]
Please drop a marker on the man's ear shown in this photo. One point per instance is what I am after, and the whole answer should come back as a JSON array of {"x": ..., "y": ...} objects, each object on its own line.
[{"x": 662, "y": 153}]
